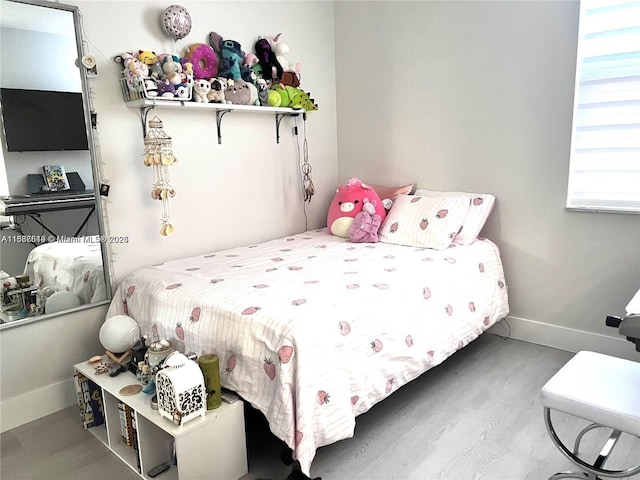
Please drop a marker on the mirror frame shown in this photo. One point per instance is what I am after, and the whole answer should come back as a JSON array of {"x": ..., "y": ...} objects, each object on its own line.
[{"x": 86, "y": 103}]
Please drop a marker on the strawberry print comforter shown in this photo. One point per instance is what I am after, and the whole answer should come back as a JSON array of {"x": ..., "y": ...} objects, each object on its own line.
[
  {"x": 74, "y": 267},
  {"x": 314, "y": 330}
]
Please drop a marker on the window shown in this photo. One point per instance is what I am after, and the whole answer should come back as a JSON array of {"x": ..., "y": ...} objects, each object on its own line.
[{"x": 604, "y": 173}]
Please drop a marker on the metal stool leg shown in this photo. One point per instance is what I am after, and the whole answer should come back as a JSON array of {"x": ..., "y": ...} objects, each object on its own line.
[
  {"x": 576, "y": 445},
  {"x": 561, "y": 475},
  {"x": 596, "y": 469}
]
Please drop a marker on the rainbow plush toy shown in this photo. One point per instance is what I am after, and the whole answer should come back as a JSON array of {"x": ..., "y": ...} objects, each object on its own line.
[{"x": 347, "y": 203}]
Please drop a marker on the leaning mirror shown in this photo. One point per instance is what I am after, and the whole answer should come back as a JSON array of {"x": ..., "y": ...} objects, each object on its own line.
[{"x": 51, "y": 257}]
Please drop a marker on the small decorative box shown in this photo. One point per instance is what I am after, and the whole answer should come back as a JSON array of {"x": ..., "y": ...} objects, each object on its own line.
[{"x": 181, "y": 390}]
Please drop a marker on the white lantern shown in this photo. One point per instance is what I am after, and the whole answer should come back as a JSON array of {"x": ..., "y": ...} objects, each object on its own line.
[{"x": 180, "y": 388}]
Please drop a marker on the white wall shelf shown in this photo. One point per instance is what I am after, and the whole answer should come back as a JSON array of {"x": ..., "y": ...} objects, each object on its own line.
[
  {"x": 212, "y": 446},
  {"x": 146, "y": 105}
]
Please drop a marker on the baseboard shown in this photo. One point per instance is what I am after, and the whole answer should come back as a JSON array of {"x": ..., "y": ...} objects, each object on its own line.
[
  {"x": 35, "y": 404},
  {"x": 563, "y": 338}
]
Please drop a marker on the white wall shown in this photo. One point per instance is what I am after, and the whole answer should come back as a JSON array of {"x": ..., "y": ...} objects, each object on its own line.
[
  {"x": 472, "y": 96},
  {"x": 240, "y": 192},
  {"x": 477, "y": 96},
  {"x": 36, "y": 364}
]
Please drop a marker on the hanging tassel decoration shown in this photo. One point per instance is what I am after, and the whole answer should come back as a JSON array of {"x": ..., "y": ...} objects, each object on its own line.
[
  {"x": 307, "y": 182},
  {"x": 158, "y": 154}
]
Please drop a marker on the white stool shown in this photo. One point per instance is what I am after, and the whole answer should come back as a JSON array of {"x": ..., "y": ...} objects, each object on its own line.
[{"x": 601, "y": 389}]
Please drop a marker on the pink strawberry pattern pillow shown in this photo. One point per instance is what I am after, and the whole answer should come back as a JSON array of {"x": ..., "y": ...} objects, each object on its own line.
[
  {"x": 480, "y": 207},
  {"x": 427, "y": 222}
]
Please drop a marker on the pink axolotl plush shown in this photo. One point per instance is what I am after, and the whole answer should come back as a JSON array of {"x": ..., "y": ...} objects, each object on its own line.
[
  {"x": 366, "y": 224},
  {"x": 347, "y": 203}
]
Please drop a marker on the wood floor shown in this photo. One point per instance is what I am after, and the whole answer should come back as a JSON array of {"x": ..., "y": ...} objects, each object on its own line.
[{"x": 476, "y": 416}]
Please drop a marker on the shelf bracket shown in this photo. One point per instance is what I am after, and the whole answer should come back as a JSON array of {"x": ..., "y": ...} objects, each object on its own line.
[
  {"x": 144, "y": 113},
  {"x": 279, "y": 117},
  {"x": 219, "y": 115}
]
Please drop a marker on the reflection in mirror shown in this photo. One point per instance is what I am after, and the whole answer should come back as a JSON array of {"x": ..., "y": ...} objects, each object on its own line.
[{"x": 51, "y": 259}]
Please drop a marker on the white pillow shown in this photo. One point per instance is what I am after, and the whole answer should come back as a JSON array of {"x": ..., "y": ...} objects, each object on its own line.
[
  {"x": 480, "y": 206},
  {"x": 427, "y": 222}
]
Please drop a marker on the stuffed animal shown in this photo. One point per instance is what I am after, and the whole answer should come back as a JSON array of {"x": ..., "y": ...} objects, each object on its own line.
[
  {"x": 187, "y": 70},
  {"x": 347, "y": 203},
  {"x": 136, "y": 67},
  {"x": 217, "y": 93},
  {"x": 269, "y": 65},
  {"x": 182, "y": 91},
  {"x": 166, "y": 89},
  {"x": 290, "y": 72},
  {"x": 204, "y": 60},
  {"x": 301, "y": 99},
  {"x": 155, "y": 71},
  {"x": 147, "y": 57},
  {"x": 151, "y": 87},
  {"x": 291, "y": 79},
  {"x": 273, "y": 98},
  {"x": 240, "y": 92},
  {"x": 232, "y": 65},
  {"x": 366, "y": 224},
  {"x": 291, "y": 97},
  {"x": 256, "y": 71},
  {"x": 135, "y": 71},
  {"x": 129, "y": 79},
  {"x": 281, "y": 50},
  {"x": 172, "y": 69},
  {"x": 250, "y": 59},
  {"x": 263, "y": 92},
  {"x": 201, "y": 88}
]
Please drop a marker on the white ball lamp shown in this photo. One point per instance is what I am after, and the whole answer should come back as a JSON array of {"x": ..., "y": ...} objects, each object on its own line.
[
  {"x": 61, "y": 300},
  {"x": 118, "y": 335}
]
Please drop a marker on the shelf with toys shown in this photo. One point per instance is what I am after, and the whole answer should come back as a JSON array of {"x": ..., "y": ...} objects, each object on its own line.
[
  {"x": 217, "y": 75},
  {"x": 147, "y": 104}
]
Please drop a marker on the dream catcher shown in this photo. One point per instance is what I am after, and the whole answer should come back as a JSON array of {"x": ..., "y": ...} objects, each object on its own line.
[
  {"x": 158, "y": 154},
  {"x": 307, "y": 183}
]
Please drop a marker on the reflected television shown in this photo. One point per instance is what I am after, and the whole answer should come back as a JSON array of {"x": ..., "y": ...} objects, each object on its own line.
[{"x": 43, "y": 120}]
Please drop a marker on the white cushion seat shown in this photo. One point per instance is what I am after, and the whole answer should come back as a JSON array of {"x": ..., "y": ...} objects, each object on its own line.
[{"x": 599, "y": 388}]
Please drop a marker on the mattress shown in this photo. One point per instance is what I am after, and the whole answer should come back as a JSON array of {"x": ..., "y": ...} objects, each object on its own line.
[
  {"x": 72, "y": 266},
  {"x": 314, "y": 330}
]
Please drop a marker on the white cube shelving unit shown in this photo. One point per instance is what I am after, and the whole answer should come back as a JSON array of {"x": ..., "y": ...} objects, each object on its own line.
[{"x": 211, "y": 447}]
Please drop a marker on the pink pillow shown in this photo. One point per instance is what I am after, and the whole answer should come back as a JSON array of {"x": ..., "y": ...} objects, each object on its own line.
[
  {"x": 392, "y": 192},
  {"x": 480, "y": 207}
]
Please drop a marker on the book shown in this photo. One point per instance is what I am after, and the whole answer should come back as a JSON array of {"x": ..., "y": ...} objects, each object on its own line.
[
  {"x": 55, "y": 177},
  {"x": 128, "y": 412},
  {"x": 123, "y": 422},
  {"x": 84, "y": 400},
  {"x": 96, "y": 403},
  {"x": 77, "y": 382}
]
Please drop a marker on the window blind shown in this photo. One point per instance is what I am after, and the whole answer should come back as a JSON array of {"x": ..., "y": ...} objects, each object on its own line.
[{"x": 604, "y": 171}]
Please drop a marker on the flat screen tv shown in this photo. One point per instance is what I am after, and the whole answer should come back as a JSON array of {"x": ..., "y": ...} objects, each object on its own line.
[{"x": 43, "y": 120}]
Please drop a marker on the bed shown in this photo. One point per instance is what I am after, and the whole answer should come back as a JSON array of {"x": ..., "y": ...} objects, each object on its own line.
[
  {"x": 312, "y": 329},
  {"x": 72, "y": 266}
]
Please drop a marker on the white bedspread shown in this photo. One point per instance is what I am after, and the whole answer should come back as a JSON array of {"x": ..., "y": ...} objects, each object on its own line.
[
  {"x": 312, "y": 329},
  {"x": 74, "y": 267}
]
